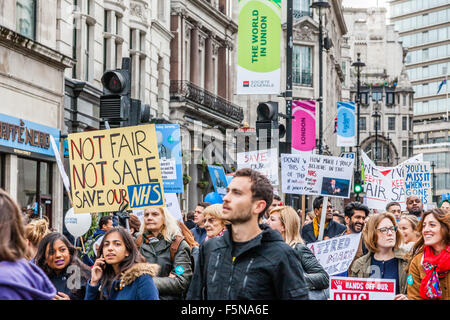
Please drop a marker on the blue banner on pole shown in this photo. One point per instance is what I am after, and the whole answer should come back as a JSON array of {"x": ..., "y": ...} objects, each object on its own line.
[
  {"x": 169, "y": 149},
  {"x": 346, "y": 124}
]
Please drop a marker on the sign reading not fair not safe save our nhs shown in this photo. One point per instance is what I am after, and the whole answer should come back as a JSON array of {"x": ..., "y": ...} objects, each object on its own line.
[{"x": 23, "y": 136}]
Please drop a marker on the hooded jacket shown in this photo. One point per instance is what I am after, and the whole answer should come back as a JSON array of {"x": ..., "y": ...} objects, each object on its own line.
[
  {"x": 265, "y": 269},
  {"x": 159, "y": 253},
  {"x": 361, "y": 268},
  {"x": 22, "y": 280},
  {"x": 134, "y": 284}
]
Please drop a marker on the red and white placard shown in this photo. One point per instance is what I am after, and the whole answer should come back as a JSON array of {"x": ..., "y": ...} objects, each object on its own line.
[{"x": 342, "y": 288}]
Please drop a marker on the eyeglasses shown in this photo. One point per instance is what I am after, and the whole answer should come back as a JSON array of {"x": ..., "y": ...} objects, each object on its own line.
[{"x": 385, "y": 230}]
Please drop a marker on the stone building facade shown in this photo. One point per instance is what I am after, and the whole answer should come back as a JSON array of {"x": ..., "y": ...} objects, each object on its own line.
[{"x": 386, "y": 110}]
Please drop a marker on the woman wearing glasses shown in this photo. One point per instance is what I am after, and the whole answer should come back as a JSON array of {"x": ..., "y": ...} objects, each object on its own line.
[
  {"x": 385, "y": 260},
  {"x": 428, "y": 276}
]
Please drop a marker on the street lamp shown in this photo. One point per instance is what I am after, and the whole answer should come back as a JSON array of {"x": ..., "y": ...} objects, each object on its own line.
[
  {"x": 320, "y": 5},
  {"x": 376, "y": 115},
  {"x": 388, "y": 141},
  {"x": 359, "y": 65}
]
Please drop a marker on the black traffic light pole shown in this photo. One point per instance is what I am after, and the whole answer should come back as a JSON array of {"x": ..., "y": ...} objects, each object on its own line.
[{"x": 288, "y": 93}]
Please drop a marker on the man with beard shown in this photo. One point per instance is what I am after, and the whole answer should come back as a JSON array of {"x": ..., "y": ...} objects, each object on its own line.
[
  {"x": 250, "y": 261},
  {"x": 414, "y": 206},
  {"x": 355, "y": 217}
]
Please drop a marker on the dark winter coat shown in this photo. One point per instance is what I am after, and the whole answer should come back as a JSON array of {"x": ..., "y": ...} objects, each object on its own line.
[
  {"x": 159, "y": 253},
  {"x": 266, "y": 269},
  {"x": 76, "y": 277},
  {"x": 135, "y": 284},
  {"x": 332, "y": 230},
  {"x": 199, "y": 234},
  {"x": 315, "y": 275}
]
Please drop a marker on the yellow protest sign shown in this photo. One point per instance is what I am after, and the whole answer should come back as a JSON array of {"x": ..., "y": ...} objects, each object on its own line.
[{"x": 108, "y": 167}]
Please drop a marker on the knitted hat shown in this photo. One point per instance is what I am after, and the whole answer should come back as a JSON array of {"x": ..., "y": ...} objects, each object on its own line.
[{"x": 134, "y": 222}]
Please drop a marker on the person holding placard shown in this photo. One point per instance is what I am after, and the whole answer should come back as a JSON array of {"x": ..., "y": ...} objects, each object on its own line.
[
  {"x": 384, "y": 260},
  {"x": 394, "y": 208},
  {"x": 310, "y": 232},
  {"x": 429, "y": 276},
  {"x": 58, "y": 258},
  {"x": 287, "y": 222},
  {"x": 19, "y": 279},
  {"x": 162, "y": 242},
  {"x": 121, "y": 273}
]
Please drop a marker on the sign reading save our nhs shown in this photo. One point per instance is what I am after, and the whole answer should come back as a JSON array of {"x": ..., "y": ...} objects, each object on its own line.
[{"x": 24, "y": 136}]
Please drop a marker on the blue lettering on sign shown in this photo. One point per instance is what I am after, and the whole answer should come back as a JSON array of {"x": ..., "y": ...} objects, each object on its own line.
[{"x": 145, "y": 195}]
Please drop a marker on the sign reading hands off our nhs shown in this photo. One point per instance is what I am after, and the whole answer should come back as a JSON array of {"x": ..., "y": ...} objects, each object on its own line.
[{"x": 109, "y": 167}]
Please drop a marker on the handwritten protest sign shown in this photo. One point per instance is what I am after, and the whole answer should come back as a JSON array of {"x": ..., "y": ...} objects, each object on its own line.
[
  {"x": 169, "y": 151},
  {"x": 383, "y": 185},
  {"x": 342, "y": 288},
  {"x": 316, "y": 175},
  {"x": 263, "y": 161},
  {"x": 336, "y": 254},
  {"x": 418, "y": 180},
  {"x": 108, "y": 167}
]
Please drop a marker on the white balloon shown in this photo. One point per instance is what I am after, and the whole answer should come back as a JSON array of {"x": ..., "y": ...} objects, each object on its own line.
[{"x": 77, "y": 224}]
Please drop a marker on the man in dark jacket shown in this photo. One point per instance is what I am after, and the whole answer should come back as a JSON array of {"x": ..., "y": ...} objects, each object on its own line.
[
  {"x": 199, "y": 231},
  {"x": 250, "y": 261},
  {"x": 310, "y": 232}
]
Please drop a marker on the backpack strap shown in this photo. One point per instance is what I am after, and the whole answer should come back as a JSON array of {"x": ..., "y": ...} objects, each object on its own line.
[
  {"x": 174, "y": 247},
  {"x": 139, "y": 241}
]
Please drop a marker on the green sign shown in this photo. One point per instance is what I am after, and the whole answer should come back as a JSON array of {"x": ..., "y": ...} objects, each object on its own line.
[{"x": 259, "y": 41}]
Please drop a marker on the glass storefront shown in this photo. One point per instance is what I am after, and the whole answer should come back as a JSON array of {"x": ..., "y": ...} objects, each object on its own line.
[{"x": 34, "y": 186}]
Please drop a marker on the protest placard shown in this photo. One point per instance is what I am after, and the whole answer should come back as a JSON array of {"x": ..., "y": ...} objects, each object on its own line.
[
  {"x": 218, "y": 179},
  {"x": 173, "y": 205},
  {"x": 108, "y": 167},
  {"x": 342, "y": 288},
  {"x": 418, "y": 181},
  {"x": 336, "y": 254},
  {"x": 169, "y": 151},
  {"x": 316, "y": 175},
  {"x": 383, "y": 185},
  {"x": 263, "y": 161}
]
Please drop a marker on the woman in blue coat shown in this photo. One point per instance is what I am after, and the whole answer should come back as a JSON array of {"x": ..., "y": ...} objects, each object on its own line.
[{"x": 121, "y": 273}]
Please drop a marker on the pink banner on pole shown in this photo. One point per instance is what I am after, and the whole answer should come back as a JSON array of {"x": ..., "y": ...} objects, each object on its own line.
[{"x": 303, "y": 125}]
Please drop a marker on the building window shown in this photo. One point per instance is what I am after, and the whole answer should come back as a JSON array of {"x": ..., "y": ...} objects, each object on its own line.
[
  {"x": 376, "y": 123},
  {"x": 404, "y": 100},
  {"x": 390, "y": 98},
  {"x": 391, "y": 123},
  {"x": 362, "y": 124},
  {"x": 404, "y": 123},
  {"x": 404, "y": 148},
  {"x": 87, "y": 52},
  {"x": 26, "y": 18},
  {"x": 302, "y": 8},
  {"x": 364, "y": 98},
  {"x": 302, "y": 66},
  {"x": 377, "y": 95}
]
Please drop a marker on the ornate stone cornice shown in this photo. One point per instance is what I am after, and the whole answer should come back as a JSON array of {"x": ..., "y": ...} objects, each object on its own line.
[
  {"x": 29, "y": 47},
  {"x": 140, "y": 11}
]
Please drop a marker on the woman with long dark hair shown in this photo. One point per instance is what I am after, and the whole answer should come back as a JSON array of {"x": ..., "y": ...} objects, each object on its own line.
[
  {"x": 428, "y": 272},
  {"x": 57, "y": 257},
  {"x": 121, "y": 272},
  {"x": 19, "y": 279}
]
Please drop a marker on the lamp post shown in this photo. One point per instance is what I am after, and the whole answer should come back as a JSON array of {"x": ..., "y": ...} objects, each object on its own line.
[
  {"x": 320, "y": 5},
  {"x": 388, "y": 141},
  {"x": 434, "y": 181},
  {"x": 377, "y": 116},
  {"x": 358, "y": 65}
]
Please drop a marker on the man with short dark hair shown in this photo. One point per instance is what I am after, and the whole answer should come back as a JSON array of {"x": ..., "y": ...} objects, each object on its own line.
[
  {"x": 275, "y": 203},
  {"x": 250, "y": 261},
  {"x": 104, "y": 224},
  {"x": 355, "y": 219},
  {"x": 310, "y": 232},
  {"x": 189, "y": 222},
  {"x": 199, "y": 231},
  {"x": 414, "y": 206},
  {"x": 394, "y": 208}
]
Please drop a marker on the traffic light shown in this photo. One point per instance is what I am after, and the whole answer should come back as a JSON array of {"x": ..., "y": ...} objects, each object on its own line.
[
  {"x": 268, "y": 119},
  {"x": 116, "y": 105},
  {"x": 357, "y": 185}
]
